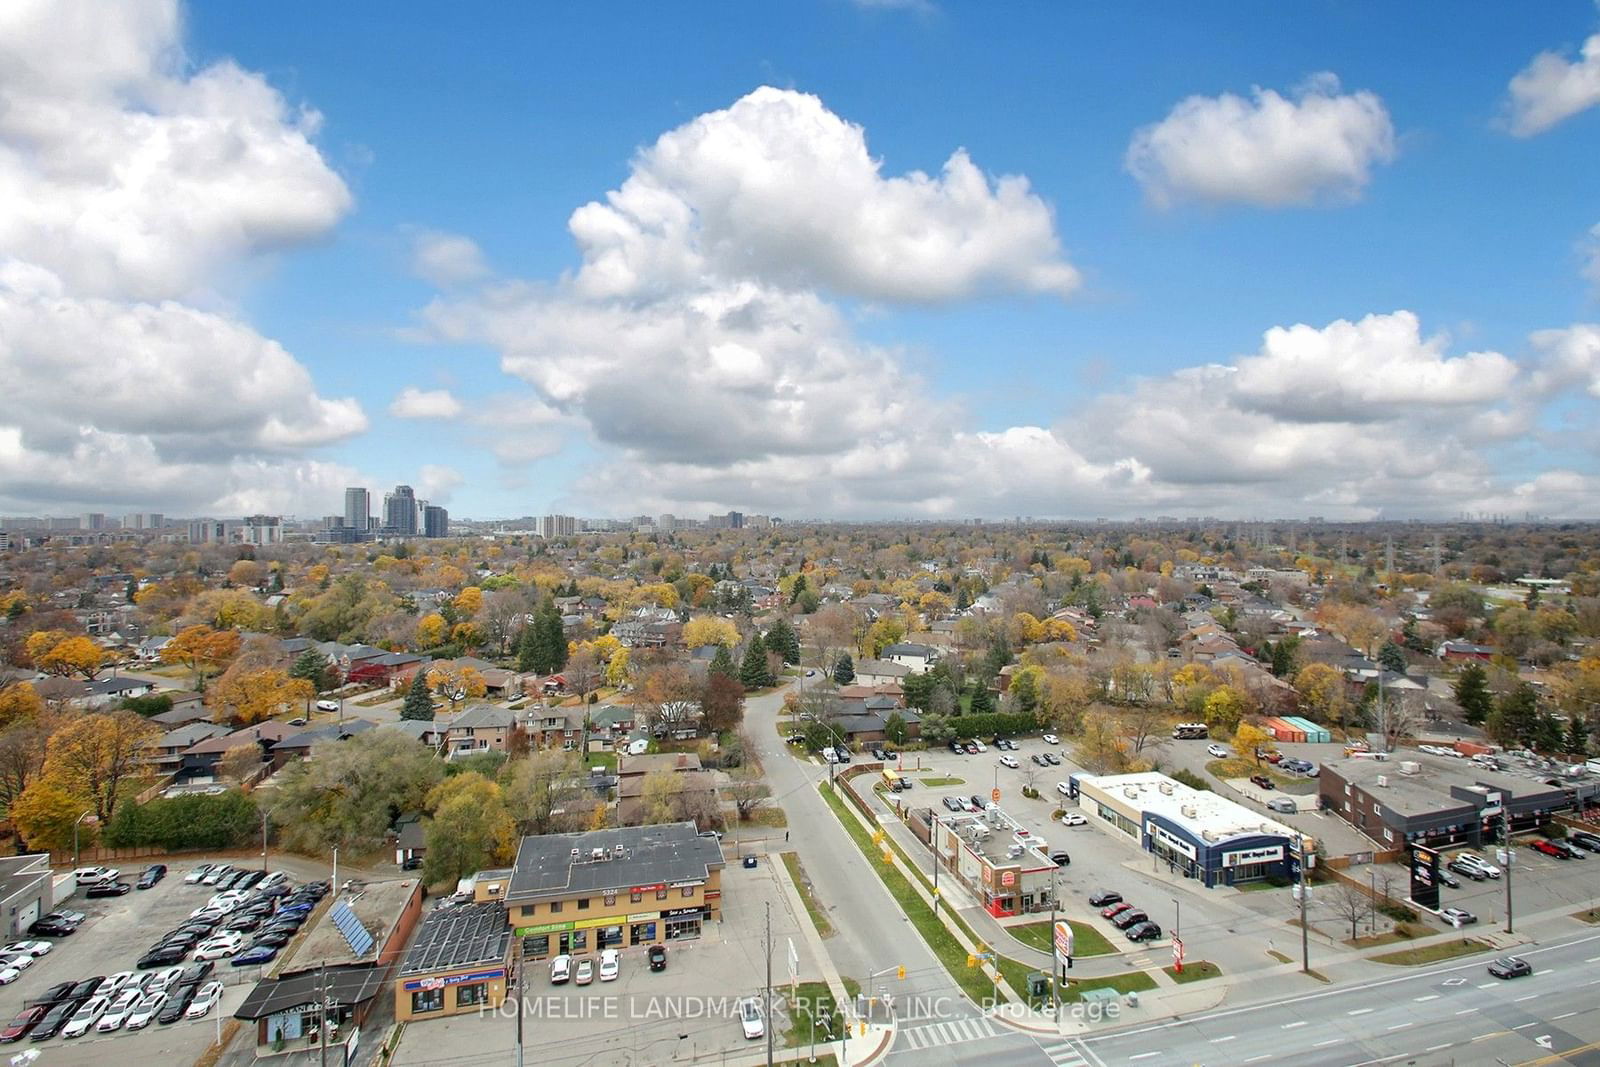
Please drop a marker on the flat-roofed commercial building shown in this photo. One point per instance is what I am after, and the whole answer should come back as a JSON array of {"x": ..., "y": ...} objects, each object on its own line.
[
  {"x": 598, "y": 889},
  {"x": 457, "y": 963},
  {"x": 1201, "y": 835}
]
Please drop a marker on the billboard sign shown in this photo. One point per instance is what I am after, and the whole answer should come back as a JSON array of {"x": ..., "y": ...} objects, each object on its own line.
[{"x": 1425, "y": 877}]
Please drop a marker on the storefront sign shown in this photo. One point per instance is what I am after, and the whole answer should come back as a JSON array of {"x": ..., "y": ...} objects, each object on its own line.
[
  {"x": 641, "y": 916},
  {"x": 1008, "y": 878},
  {"x": 555, "y": 928},
  {"x": 686, "y": 885},
  {"x": 648, "y": 888},
  {"x": 1252, "y": 855},
  {"x": 1172, "y": 841},
  {"x": 681, "y": 913},
  {"x": 455, "y": 979}
]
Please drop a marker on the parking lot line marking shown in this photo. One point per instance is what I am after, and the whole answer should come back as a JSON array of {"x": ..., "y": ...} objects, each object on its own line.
[
  {"x": 1547, "y": 970},
  {"x": 1466, "y": 1011},
  {"x": 1257, "y": 1059},
  {"x": 1524, "y": 1026},
  {"x": 1143, "y": 1056},
  {"x": 1566, "y": 1015},
  {"x": 1592, "y": 959},
  {"x": 1430, "y": 996},
  {"x": 1220, "y": 1040},
  {"x": 1530, "y": 996},
  {"x": 1360, "y": 1011},
  {"x": 1485, "y": 1037},
  {"x": 1436, "y": 1048},
  {"x": 1401, "y": 1026},
  {"x": 1291, "y": 1026},
  {"x": 1325, "y": 1044},
  {"x": 1488, "y": 985}
]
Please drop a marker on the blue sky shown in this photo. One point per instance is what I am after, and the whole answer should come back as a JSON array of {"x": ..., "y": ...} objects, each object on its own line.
[{"x": 1413, "y": 187}]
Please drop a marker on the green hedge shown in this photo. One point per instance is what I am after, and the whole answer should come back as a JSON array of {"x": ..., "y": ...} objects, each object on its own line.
[
  {"x": 195, "y": 821},
  {"x": 993, "y": 724}
]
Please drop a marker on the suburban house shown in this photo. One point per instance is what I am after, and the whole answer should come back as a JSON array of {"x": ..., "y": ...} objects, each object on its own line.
[
  {"x": 696, "y": 797},
  {"x": 917, "y": 657},
  {"x": 166, "y": 751},
  {"x": 109, "y": 692},
  {"x": 299, "y": 746},
  {"x": 555, "y": 727},
  {"x": 649, "y": 628},
  {"x": 424, "y": 731},
  {"x": 149, "y": 649},
  {"x": 880, "y": 672},
  {"x": 1461, "y": 651},
  {"x": 378, "y": 670},
  {"x": 481, "y": 728},
  {"x": 200, "y": 759}
]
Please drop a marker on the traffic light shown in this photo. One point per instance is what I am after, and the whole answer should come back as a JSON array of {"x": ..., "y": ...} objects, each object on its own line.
[
  {"x": 900, "y": 973},
  {"x": 1069, "y": 963}
]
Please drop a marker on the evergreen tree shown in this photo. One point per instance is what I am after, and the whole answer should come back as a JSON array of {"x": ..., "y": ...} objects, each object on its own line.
[
  {"x": 982, "y": 701},
  {"x": 133, "y": 590},
  {"x": 844, "y": 671},
  {"x": 722, "y": 663},
  {"x": 753, "y": 671},
  {"x": 1391, "y": 657},
  {"x": 419, "y": 702},
  {"x": 527, "y": 643},
  {"x": 543, "y": 648},
  {"x": 1577, "y": 736},
  {"x": 783, "y": 640},
  {"x": 277, "y": 580},
  {"x": 312, "y": 666},
  {"x": 1548, "y": 736},
  {"x": 1515, "y": 718},
  {"x": 1472, "y": 693}
]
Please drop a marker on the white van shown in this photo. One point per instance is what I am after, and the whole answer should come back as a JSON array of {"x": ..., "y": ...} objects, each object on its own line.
[{"x": 829, "y": 755}]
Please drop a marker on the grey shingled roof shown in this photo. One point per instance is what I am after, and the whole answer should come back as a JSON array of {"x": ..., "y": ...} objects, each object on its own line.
[{"x": 672, "y": 852}]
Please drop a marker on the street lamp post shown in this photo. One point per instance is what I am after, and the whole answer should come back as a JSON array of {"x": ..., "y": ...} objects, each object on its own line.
[
  {"x": 75, "y": 825},
  {"x": 1177, "y": 931},
  {"x": 263, "y": 840},
  {"x": 1305, "y": 931}
]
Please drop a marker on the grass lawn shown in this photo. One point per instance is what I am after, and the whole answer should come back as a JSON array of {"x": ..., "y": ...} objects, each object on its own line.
[
  {"x": 1127, "y": 982},
  {"x": 808, "y": 1000},
  {"x": 1590, "y": 916},
  {"x": 802, "y": 884},
  {"x": 1370, "y": 941},
  {"x": 1258, "y": 887},
  {"x": 1280, "y": 957},
  {"x": 774, "y": 817},
  {"x": 1443, "y": 950},
  {"x": 935, "y": 783},
  {"x": 608, "y": 760},
  {"x": 1086, "y": 940},
  {"x": 1198, "y": 971},
  {"x": 939, "y": 939}
]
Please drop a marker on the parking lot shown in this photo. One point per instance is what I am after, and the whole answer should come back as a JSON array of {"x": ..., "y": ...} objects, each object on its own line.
[
  {"x": 638, "y": 1017},
  {"x": 116, "y": 932}
]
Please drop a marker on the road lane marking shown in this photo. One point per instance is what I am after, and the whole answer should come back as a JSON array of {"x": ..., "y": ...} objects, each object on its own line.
[
  {"x": 1330, "y": 1041},
  {"x": 1291, "y": 1026},
  {"x": 1524, "y": 1026},
  {"x": 1492, "y": 1033},
  {"x": 1592, "y": 959},
  {"x": 1547, "y": 970},
  {"x": 1566, "y": 1015},
  {"x": 1488, "y": 985},
  {"x": 1257, "y": 1059},
  {"x": 1143, "y": 1056},
  {"x": 1430, "y": 996},
  {"x": 1400, "y": 1026},
  {"x": 1436, "y": 1048},
  {"x": 1466, "y": 1011},
  {"x": 1220, "y": 1040},
  {"x": 1361, "y": 1011},
  {"x": 1530, "y": 996}
]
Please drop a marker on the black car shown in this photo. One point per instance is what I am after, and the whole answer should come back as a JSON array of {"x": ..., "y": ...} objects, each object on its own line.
[
  {"x": 1101, "y": 897},
  {"x": 1143, "y": 931},
  {"x": 658, "y": 957},
  {"x": 1446, "y": 878},
  {"x": 1060, "y": 859},
  {"x": 1584, "y": 839},
  {"x": 152, "y": 874},
  {"x": 952, "y": 804},
  {"x": 879, "y": 755},
  {"x": 86, "y": 987},
  {"x": 977, "y": 801},
  {"x": 958, "y": 748},
  {"x": 242, "y": 923},
  {"x": 162, "y": 956},
  {"x": 108, "y": 889},
  {"x": 195, "y": 973},
  {"x": 1573, "y": 851},
  {"x": 414, "y": 863},
  {"x": 249, "y": 880},
  {"x": 273, "y": 892},
  {"x": 53, "y": 1021},
  {"x": 275, "y": 938},
  {"x": 178, "y": 1001},
  {"x": 1052, "y": 759},
  {"x": 1467, "y": 869},
  {"x": 1038, "y": 760},
  {"x": 50, "y": 928},
  {"x": 1510, "y": 967}
]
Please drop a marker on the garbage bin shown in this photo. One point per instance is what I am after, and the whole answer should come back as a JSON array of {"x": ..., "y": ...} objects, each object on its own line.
[
  {"x": 1133, "y": 1000},
  {"x": 1038, "y": 984}
]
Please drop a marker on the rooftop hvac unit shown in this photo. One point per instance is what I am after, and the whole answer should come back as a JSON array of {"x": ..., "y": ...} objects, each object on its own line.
[
  {"x": 1383, "y": 780},
  {"x": 1166, "y": 788},
  {"x": 1189, "y": 811},
  {"x": 1130, "y": 792},
  {"x": 597, "y": 854},
  {"x": 575, "y": 855},
  {"x": 1409, "y": 766}
]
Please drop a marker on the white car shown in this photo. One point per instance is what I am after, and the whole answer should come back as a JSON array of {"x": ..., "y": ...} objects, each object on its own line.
[
  {"x": 164, "y": 978},
  {"x": 275, "y": 878},
  {"x": 19, "y": 962},
  {"x": 86, "y": 1016},
  {"x": 1064, "y": 789},
  {"x": 112, "y": 984},
  {"x": 560, "y": 969},
  {"x": 1051, "y": 739},
  {"x": 216, "y": 874},
  {"x": 981, "y": 747},
  {"x": 1219, "y": 751},
  {"x": 91, "y": 875},
  {"x": 140, "y": 1017},
  {"x": 32, "y": 948},
  {"x": 194, "y": 876},
  {"x": 327, "y": 705},
  {"x": 1008, "y": 761},
  {"x": 1479, "y": 862},
  {"x": 118, "y": 1012},
  {"x": 204, "y": 1001},
  {"x": 1072, "y": 818},
  {"x": 9, "y": 975},
  {"x": 219, "y": 947},
  {"x": 610, "y": 965},
  {"x": 750, "y": 1018}
]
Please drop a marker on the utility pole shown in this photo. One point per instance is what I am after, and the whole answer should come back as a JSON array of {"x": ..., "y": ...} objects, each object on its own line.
[
  {"x": 521, "y": 966},
  {"x": 935, "y": 842},
  {"x": 1505, "y": 838},
  {"x": 766, "y": 1020},
  {"x": 322, "y": 1030},
  {"x": 263, "y": 840},
  {"x": 1305, "y": 931},
  {"x": 1055, "y": 960}
]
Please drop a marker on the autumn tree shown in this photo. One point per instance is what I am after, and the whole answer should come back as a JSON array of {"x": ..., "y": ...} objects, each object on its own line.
[
  {"x": 583, "y": 672},
  {"x": 456, "y": 684},
  {"x": 668, "y": 697},
  {"x": 240, "y": 762},
  {"x": 545, "y": 792},
  {"x": 710, "y": 630},
  {"x": 245, "y": 572},
  {"x": 45, "y": 815},
  {"x": 1249, "y": 741},
  {"x": 468, "y": 830},
  {"x": 94, "y": 757},
  {"x": 430, "y": 630},
  {"x": 19, "y": 703},
  {"x": 1321, "y": 691},
  {"x": 348, "y": 794},
  {"x": 22, "y": 748},
  {"x": 76, "y": 655},
  {"x": 201, "y": 649},
  {"x": 1224, "y": 708},
  {"x": 617, "y": 669},
  {"x": 722, "y": 703},
  {"x": 1101, "y": 748},
  {"x": 748, "y": 792},
  {"x": 245, "y": 695}
]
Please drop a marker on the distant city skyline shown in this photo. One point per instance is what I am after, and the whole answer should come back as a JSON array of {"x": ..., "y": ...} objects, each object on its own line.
[{"x": 1343, "y": 260}]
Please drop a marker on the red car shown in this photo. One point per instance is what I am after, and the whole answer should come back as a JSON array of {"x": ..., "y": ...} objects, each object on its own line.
[
  {"x": 27, "y": 1020},
  {"x": 1550, "y": 849},
  {"x": 1121, "y": 906},
  {"x": 1272, "y": 757}
]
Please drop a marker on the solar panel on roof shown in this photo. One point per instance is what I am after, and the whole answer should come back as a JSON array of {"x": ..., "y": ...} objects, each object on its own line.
[{"x": 356, "y": 935}]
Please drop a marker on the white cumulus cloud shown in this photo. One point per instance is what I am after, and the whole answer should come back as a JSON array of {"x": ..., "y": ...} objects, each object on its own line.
[
  {"x": 414, "y": 403},
  {"x": 446, "y": 259},
  {"x": 1270, "y": 150},
  {"x": 1553, "y": 88}
]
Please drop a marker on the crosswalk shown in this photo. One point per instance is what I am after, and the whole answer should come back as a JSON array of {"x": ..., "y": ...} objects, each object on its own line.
[
  {"x": 1065, "y": 1054},
  {"x": 949, "y": 1032}
]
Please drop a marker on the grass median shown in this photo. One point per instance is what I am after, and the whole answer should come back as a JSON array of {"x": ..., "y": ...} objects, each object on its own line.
[
  {"x": 803, "y": 886},
  {"x": 1197, "y": 971},
  {"x": 1086, "y": 940},
  {"x": 1444, "y": 950},
  {"x": 938, "y": 938}
]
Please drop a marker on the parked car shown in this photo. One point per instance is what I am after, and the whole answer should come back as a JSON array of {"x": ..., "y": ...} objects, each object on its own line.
[
  {"x": 108, "y": 889},
  {"x": 1052, "y": 759},
  {"x": 1446, "y": 878},
  {"x": 583, "y": 974},
  {"x": 957, "y": 747},
  {"x": 1457, "y": 916},
  {"x": 1145, "y": 931},
  {"x": 1038, "y": 760},
  {"x": 55, "y": 994},
  {"x": 1585, "y": 840},
  {"x": 178, "y": 1002},
  {"x": 30, "y": 948},
  {"x": 254, "y": 956},
  {"x": 560, "y": 969},
  {"x": 750, "y": 1018},
  {"x": 204, "y": 1000},
  {"x": 878, "y": 755},
  {"x": 113, "y": 984},
  {"x": 143, "y": 1015},
  {"x": 163, "y": 956},
  {"x": 1072, "y": 818},
  {"x": 90, "y": 875},
  {"x": 199, "y": 872},
  {"x": 164, "y": 980},
  {"x": 1271, "y": 757},
  {"x": 1102, "y": 897},
  {"x": 1467, "y": 869},
  {"x": 1283, "y": 805},
  {"x": 1573, "y": 852},
  {"x": 216, "y": 874},
  {"x": 53, "y": 1021},
  {"x": 73, "y": 919},
  {"x": 219, "y": 947},
  {"x": 1475, "y": 860},
  {"x": 657, "y": 954},
  {"x": 972, "y": 748},
  {"x": 26, "y": 1020},
  {"x": 1217, "y": 751},
  {"x": 118, "y": 1012},
  {"x": 9, "y": 975},
  {"x": 1008, "y": 761},
  {"x": 976, "y": 802},
  {"x": 1125, "y": 919},
  {"x": 1050, "y": 739},
  {"x": 1261, "y": 781},
  {"x": 86, "y": 1016},
  {"x": 152, "y": 874},
  {"x": 610, "y": 965},
  {"x": 979, "y": 745},
  {"x": 21, "y": 961},
  {"x": 1060, "y": 859},
  {"x": 1116, "y": 908},
  {"x": 1510, "y": 967},
  {"x": 327, "y": 705}
]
